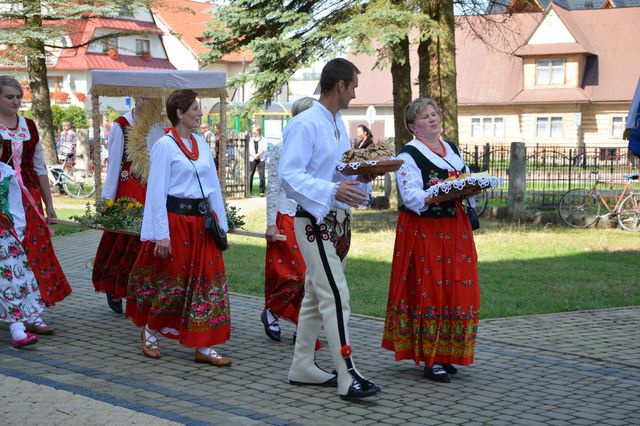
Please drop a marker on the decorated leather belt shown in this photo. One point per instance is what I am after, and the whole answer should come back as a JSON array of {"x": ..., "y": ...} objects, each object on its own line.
[{"x": 188, "y": 206}]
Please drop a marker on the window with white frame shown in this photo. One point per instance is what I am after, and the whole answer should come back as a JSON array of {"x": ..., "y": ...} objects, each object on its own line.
[
  {"x": 549, "y": 127},
  {"x": 109, "y": 43},
  {"x": 487, "y": 127},
  {"x": 550, "y": 71},
  {"x": 617, "y": 126},
  {"x": 142, "y": 46}
]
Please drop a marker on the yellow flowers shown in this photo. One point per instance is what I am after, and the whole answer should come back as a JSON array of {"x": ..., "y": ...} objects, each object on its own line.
[{"x": 121, "y": 214}]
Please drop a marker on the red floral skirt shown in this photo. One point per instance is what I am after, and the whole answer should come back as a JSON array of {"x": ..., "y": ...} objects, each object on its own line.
[
  {"x": 52, "y": 282},
  {"x": 184, "y": 296},
  {"x": 117, "y": 252},
  {"x": 434, "y": 295},
  {"x": 284, "y": 273}
]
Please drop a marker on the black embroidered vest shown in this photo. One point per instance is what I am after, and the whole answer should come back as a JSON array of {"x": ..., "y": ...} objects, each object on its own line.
[{"x": 430, "y": 171}]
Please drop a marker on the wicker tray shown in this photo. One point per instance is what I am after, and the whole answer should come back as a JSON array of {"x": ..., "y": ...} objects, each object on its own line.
[{"x": 371, "y": 167}]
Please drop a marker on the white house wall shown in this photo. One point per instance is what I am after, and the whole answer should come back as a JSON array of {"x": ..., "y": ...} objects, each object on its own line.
[{"x": 178, "y": 54}]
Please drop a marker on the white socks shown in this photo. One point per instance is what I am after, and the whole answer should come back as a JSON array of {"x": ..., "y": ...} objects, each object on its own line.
[
  {"x": 150, "y": 338},
  {"x": 18, "y": 332},
  {"x": 37, "y": 321},
  {"x": 273, "y": 321},
  {"x": 209, "y": 352}
]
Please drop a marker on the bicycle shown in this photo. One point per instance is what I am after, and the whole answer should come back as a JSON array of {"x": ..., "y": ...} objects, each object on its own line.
[
  {"x": 580, "y": 208},
  {"x": 67, "y": 183}
]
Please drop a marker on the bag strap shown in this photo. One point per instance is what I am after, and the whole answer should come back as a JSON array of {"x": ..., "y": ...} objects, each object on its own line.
[{"x": 194, "y": 166}]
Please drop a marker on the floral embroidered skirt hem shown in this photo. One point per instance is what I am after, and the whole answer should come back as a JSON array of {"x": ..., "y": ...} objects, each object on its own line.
[
  {"x": 284, "y": 273},
  {"x": 184, "y": 296},
  {"x": 19, "y": 292},
  {"x": 434, "y": 295},
  {"x": 117, "y": 252},
  {"x": 52, "y": 281}
]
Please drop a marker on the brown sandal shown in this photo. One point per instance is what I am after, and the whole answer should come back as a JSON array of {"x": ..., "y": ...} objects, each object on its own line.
[{"x": 150, "y": 349}]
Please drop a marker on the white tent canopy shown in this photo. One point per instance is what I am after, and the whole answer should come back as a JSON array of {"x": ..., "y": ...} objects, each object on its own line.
[{"x": 156, "y": 84}]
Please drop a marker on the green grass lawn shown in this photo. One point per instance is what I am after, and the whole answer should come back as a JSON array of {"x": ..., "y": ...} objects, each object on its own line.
[
  {"x": 65, "y": 208},
  {"x": 524, "y": 269}
]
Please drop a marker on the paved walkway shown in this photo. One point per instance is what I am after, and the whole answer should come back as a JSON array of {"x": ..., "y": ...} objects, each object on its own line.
[{"x": 575, "y": 368}]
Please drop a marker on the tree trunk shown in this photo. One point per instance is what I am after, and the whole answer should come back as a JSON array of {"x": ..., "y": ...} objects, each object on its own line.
[
  {"x": 424, "y": 72},
  {"x": 401, "y": 78},
  {"x": 37, "y": 71},
  {"x": 443, "y": 76}
]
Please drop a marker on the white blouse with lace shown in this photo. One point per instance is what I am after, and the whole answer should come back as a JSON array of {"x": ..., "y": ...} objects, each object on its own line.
[
  {"x": 277, "y": 201},
  {"x": 173, "y": 174},
  {"x": 116, "y": 151},
  {"x": 409, "y": 175}
]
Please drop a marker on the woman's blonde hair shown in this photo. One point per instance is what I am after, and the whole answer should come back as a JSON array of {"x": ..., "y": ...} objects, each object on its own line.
[
  {"x": 414, "y": 108},
  {"x": 7, "y": 80}
]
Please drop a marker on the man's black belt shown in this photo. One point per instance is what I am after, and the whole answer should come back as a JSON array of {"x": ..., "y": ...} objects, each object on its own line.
[
  {"x": 188, "y": 206},
  {"x": 300, "y": 212}
]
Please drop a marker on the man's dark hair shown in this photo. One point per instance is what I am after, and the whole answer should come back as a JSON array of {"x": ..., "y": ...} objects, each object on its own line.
[{"x": 335, "y": 70}]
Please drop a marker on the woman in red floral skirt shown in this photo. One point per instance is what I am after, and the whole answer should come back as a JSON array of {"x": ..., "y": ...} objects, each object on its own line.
[
  {"x": 117, "y": 252},
  {"x": 22, "y": 151},
  {"x": 284, "y": 268},
  {"x": 434, "y": 295},
  {"x": 177, "y": 286}
]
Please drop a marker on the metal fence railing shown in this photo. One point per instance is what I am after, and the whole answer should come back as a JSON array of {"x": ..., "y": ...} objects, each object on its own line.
[{"x": 553, "y": 170}]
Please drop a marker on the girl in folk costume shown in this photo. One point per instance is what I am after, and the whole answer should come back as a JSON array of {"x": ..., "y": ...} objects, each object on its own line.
[
  {"x": 117, "y": 252},
  {"x": 434, "y": 295},
  {"x": 19, "y": 293},
  {"x": 177, "y": 285},
  {"x": 22, "y": 151},
  {"x": 284, "y": 269}
]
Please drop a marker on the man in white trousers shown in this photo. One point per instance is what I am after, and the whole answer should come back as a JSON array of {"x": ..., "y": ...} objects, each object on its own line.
[{"x": 314, "y": 142}]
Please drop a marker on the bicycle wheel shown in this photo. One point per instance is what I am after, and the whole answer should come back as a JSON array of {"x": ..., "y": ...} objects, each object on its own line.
[
  {"x": 77, "y": 189},
  {"x": 629, "y": 213},
  {"x": 579, "y": 208},
  {"x": 482, "y": 200}
]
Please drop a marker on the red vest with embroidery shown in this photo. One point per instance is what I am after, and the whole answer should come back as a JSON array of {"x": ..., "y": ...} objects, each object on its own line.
[{"x": 29, "y": 175}]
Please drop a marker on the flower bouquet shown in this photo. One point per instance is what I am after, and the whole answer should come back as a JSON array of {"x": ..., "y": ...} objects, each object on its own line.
[{"x": 124, "y": 215}]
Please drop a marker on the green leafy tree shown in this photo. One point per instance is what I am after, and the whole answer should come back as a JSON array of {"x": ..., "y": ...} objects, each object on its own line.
[
  {"x": 287, "y": 35},
  {"x": 32, "y": 28}
]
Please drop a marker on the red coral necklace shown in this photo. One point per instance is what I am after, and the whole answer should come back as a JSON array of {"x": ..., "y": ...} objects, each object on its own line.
[{"x": 194, "y": 153}]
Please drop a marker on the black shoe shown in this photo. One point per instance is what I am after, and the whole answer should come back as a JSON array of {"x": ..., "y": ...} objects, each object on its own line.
[
  {"x": 437, "y": 374},
  {"x": 360, "y": 389},
  {"x": 449, "y": 368},
  {"x": 331, "y": 383},
  {"x": 274, "y": 335},
  {"x": 115, "y": 305}
]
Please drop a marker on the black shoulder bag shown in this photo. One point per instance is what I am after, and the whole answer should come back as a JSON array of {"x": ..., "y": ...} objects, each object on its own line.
[{"x": 211, "y": 224}]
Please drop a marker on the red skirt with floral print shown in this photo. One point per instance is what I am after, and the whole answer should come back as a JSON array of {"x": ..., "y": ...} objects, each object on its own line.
[
  {"x": 184, "y": 296},
  {"x": 117, "y": 252},
  {"x": 52, "y": 282},
  {"x": 284, "y": 273},
  {"x": 434, "y": 295}
]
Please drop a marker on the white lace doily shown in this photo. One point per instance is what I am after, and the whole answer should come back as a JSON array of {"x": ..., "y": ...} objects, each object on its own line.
[
  {"x": 482, "y": 180},
  {"x": 391, "y": 163}
]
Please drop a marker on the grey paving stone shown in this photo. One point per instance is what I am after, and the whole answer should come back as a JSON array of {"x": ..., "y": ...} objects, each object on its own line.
[{"x": 566, "y": 368}]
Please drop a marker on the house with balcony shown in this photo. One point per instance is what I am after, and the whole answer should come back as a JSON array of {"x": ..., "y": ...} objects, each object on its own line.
[
  {"x": 69, "y": 70},
  {"x": 554, "y": 77}
]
